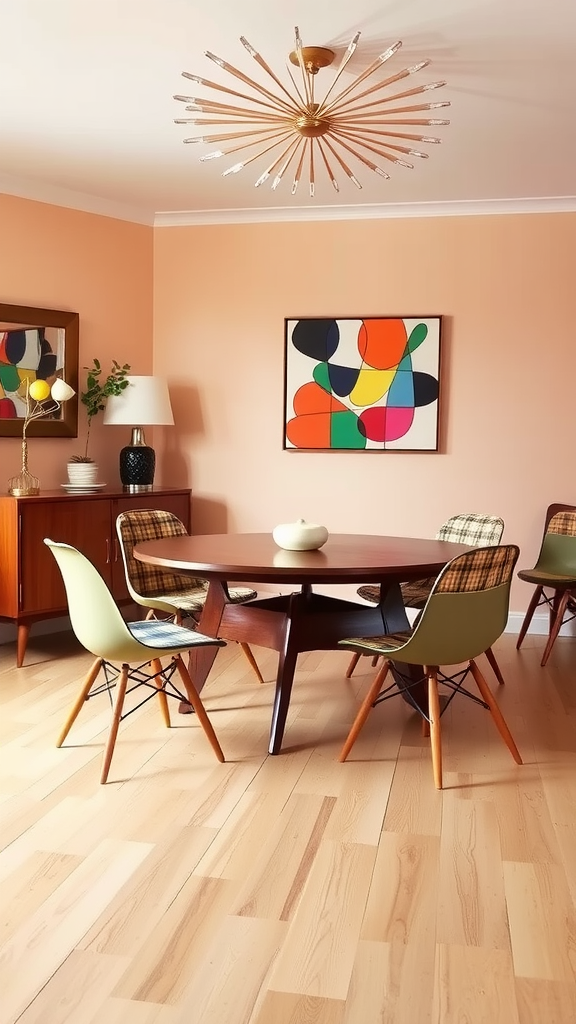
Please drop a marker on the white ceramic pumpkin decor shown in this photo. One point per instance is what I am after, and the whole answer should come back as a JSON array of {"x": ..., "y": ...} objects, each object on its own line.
[{"x": 300, "y": 536}]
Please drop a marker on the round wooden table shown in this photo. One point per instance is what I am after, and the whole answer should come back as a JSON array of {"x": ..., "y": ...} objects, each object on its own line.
[{"x": 299, "y": 621}]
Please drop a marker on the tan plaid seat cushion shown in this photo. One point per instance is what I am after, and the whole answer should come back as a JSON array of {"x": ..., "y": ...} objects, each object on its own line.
[
  {"x": 185, "y": 593},
  {"x": 471, "y": 528},
  {"x": 482, "y": 569}
]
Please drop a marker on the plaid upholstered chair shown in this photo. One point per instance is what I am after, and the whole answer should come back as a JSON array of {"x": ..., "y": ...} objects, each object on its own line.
[
  {"x": 466, "y": 611},
  {"x": 555, "y": 570},
  {"x": 127, "y": 654},
  {"x": 466, "y": 528},
  {"x": 162, "y": 591}
]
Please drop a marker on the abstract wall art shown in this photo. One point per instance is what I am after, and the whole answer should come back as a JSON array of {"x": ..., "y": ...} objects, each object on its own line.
[
  {"x": 37, "y": 344},
  {"x": 362, "y": 384}
]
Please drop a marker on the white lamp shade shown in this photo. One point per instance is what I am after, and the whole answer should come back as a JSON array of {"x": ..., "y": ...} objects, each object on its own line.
[
  {"x": 145, "y": 402},
  {"x": 61, "y": 391}
]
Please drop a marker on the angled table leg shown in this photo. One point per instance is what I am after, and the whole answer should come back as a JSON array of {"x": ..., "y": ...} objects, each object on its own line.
[
  {"x": 396, "y": 621},
  {"x": 285, "y": 674},
  {"x": 201, "y": 659}
]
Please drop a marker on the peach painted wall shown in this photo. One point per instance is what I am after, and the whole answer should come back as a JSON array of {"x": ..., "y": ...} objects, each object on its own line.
[
  {"x": 102, "y": 269},
  {"x": 505, "y": 287}
]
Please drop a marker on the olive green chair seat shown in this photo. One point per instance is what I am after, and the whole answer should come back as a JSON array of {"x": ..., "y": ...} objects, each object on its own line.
[
  {"x": 158, "y": 589},
  {"x": 466, "y": 612},
  {"x": 555, "y": 570},
  {"x": 127, "y": 653},
  {"x": 471, "y": 528}
]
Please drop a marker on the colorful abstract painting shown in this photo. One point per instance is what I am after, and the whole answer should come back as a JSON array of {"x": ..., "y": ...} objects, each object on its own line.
[
  {"x": 362, "y": 384},
  {"x": 27, "y": 354}
]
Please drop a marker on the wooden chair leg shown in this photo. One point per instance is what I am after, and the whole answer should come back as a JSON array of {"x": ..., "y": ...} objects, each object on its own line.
[
  {"x": 198, "y": 706},
  {"x": 364, "y": 711},
  {"x": 435, "y": 731},
  {"x": 116, "y": 716},
  {"x": 163, "y": 699},
  {"x": 557, "y": 623},
  {"x": 252, "y": 661},
  {"x": 494, "y": 665},
  {"x": 353, "y": 662},
  {"x": 497, "y": 715},
  {"x": 529, "y": 613},
  {"x": 80, "y": 700}
]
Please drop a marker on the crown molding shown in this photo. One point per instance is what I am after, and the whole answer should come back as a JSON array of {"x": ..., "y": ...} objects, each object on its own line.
[
  {"x": 382, "y": 211},
  {"x": 43, "y": 192},
  {"x": 54, "y": 195}
]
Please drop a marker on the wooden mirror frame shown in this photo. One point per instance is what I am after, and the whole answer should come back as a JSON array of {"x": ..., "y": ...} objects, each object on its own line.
[{"x": 12, "y": 317}]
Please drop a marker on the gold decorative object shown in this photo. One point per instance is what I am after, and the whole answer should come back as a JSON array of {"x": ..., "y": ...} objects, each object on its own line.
[
  {"x": 41, "y": 400},
  {"x": 303, "y": 132}
]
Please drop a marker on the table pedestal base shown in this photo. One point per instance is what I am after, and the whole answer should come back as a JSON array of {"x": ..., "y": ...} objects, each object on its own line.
[{"x": 291, "y": 624}]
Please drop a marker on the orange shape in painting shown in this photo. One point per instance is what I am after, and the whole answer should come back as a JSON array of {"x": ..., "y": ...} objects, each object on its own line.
[
  {"x": 310, "y": 431},
  {"x": 311, "y": 398},
  {"x": 381, "y": 343}
]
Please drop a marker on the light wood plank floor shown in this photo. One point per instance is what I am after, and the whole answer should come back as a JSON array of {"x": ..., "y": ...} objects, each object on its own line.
[{"x": 289, "y": 889}]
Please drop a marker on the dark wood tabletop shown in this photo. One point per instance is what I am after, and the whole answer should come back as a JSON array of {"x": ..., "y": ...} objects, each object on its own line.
[
  {"x": 304, "y": 620},
  {"x": 254, "y": 557}
]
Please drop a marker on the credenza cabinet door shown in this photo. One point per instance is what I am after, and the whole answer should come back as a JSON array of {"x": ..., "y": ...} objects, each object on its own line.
[{"x": 85, "y": 525}]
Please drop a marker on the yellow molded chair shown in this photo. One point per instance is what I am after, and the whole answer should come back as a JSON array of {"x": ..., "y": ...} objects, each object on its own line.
[
  {"x": 129, "y": 653},
  {"x": 159, "y": 590},
  {"x": 555, "y": 570},
  {"x": 471, "y": 528},
  {"x": 466, "y": 612}
]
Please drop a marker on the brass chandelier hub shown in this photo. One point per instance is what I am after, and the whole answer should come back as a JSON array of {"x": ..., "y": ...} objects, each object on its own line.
[
  {"x": 309, "y": 125},
  {"x": 314, "y": 58}
]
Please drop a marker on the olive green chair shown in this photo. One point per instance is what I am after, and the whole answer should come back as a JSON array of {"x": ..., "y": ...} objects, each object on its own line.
[
  {"x": 473, "y": 528},
  {"x": 158, "y": 589},
  {"x": 555, "y": 570},
  {"x": 128, "y": 653},
  {"x": 465, "y": 613}
]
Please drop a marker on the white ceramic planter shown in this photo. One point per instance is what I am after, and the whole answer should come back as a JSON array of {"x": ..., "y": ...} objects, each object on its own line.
[
  {"x": 82, "y": 474},
  {"x": 300, "y": 536}
]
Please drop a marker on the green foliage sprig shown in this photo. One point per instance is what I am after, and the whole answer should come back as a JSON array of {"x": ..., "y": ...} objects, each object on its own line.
[{"x": 97, "y": 392}]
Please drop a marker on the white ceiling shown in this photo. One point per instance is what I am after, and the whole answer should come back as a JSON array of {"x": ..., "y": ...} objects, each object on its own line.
[{"x": 86, "y": 107}]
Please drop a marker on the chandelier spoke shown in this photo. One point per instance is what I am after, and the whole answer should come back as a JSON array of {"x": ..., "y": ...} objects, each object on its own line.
[
  {"x": 331, "y": 174},
  {"x": 250, "y": 81},
  {"x": 286, "y": 164},
  {"x": 274, "y": 105},
  {"x": 297, "y": 176},
  {"x": 301, "y": 131},
  {"x": 336, "y": 107},
  {"x": 259, "y": 60}
]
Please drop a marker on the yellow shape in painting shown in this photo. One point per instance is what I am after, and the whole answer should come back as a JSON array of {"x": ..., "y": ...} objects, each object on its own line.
[
  {"x": 371, "y": 386},
  {"x": 39, "y": 390}
]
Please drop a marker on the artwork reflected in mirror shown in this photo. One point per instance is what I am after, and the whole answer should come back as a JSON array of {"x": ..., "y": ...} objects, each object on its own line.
[{"x": 37, "y": 345}]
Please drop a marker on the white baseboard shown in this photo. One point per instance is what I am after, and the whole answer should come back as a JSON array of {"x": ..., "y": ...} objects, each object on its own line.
[{"x": 539, "y": 626}]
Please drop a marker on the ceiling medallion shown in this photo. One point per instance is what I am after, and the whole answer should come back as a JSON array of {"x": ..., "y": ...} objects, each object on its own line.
[{"x": 303, "y": 133}]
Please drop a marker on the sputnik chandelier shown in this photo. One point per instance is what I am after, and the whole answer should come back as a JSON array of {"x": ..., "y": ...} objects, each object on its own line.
[{"x": 301, "y": 132}]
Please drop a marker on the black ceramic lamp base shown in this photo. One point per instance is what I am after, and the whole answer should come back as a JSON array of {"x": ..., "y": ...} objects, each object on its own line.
[{"x": 137, "y": 465}]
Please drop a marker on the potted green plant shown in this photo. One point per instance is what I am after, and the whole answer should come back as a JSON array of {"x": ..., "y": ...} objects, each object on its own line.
[{"x": 82, "y": 470}]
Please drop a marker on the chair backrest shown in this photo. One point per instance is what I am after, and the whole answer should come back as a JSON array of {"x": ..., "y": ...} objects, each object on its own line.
[
  {"x": 472, "y": 528},
  {"x": 95, "y": 617},
  {"x": 467, "y": 609},
  {"x": 145, "y": 580},
  {"x": 558, "y": 552}
]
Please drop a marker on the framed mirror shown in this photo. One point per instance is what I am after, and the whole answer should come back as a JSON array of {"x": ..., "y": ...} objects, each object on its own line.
[{"x": 37, "y": 344}]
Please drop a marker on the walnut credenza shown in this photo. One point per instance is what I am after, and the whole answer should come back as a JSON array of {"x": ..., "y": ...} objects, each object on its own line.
[{"x": 31, "y": 587}]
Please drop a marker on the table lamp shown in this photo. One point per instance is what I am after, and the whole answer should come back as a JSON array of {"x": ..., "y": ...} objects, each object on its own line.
[{"x": 146, "y": 402}]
